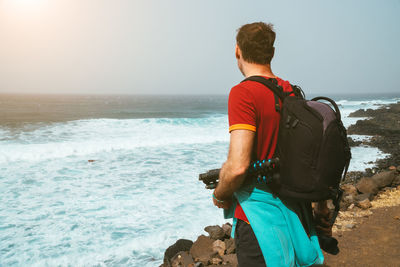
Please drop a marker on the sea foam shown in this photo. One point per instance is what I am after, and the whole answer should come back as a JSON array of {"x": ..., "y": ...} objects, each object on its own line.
[{"x": 88, "y": 137}]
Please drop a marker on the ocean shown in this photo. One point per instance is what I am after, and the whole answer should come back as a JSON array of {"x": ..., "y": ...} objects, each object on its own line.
[{"x": 113, "y": 180}]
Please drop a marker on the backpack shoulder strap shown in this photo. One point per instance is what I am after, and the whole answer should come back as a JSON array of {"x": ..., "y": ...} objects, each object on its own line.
[
  {"x": 298, "y": 91},
  {"x": 272, "y": 85}
]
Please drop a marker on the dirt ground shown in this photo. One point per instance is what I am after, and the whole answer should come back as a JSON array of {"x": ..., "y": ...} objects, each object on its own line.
[{"x": 375, "y": 238}]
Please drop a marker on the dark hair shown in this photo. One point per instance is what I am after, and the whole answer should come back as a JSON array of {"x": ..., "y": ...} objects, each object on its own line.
[{"x": 256, "y": 41}]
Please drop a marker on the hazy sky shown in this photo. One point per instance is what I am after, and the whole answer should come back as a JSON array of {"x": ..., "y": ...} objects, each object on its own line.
[{"x": 187, "y": 46}]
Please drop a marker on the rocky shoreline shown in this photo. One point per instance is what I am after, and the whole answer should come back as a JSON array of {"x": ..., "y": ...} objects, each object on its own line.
[
  {"x": 383, "y": 126},
  {"x": 363, "y": 191},
  {"x": 217, "y": 249}
]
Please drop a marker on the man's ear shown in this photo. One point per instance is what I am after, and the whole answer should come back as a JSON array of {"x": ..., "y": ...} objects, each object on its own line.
[{"x": 237, "y": 52}]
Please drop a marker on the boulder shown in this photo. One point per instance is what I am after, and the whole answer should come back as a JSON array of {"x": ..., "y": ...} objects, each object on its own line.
[
  {"x": 367, "y": 186},
  {"x": 349, "y": 195},
  {"x": 215, "y": 232},
  {"x": 346, "y": 202},
  {"x": 219, "y": 247},
  {"x": 171, "y": 251},
  {"x": 396, "y": 181},
  {"x": 227, "y": 227},
  {"x": 216, "y": 261},
  {"x": 201, "y": 249},
  {"x": 352, "y": 142},
  {"x": 230, "y": 246},
  {"x": 383, "y": 179},
  {"x": 364, "y": 113},
  {"x": 364, "y": 204},
  {"x": 362, "y": 197},
  {"x": 349, "y": 189},
  {"x": 352, "y": 176},
  {"x": 182, "y": 259},
  {"x": 349, "y": 199},
  {"x": 230, "y": 259},
  {"x": 369, "y": 171}
]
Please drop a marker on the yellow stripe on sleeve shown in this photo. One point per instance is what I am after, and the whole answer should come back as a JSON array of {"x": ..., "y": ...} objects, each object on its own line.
[{"x": 242, "y": 127}]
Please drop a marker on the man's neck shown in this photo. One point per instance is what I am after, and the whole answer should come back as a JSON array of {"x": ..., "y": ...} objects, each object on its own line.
[{"x": 250, "y": 69}]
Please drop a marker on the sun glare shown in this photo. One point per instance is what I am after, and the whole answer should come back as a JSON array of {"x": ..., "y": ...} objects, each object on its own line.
[
  {"x": 22, "y": 9},
  {"x": 21, "y": 4}
]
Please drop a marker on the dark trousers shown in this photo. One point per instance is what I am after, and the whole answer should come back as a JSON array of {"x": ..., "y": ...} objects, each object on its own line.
[{"x": 247, "y": 249}]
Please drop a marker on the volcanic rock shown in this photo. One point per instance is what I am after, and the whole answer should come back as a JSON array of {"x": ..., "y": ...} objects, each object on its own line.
[
  {"x": 396, "y": 181},
  {"x": 384, "y": 127},
  {"x": 201, "y": 249},
  {"x": 219, "y": 247},
  {"x": 347, "y": 201},
  {"x": 230, "y": 246},
  {"x": 367, "y": 185},
  {"x": 352, "y": 142},
  {"x": 383, "y": 179},
  {"x": 369, "y": 172},
  {"x": 364, "y": 204},
  {"x": 180, "y": 245},
  {"x": 227, "y": 227},
  {"x": 362, "y": 197},
  {"x": 361, "y": 113},
  {"x": 215, "y": 232},
  {"x": 182, "y": 259},
  {"x": 354, "y": 176},
  {"x": 349, "y": 189},
  {"x": 216, "y": 261},
  {"x": 231, "y": 258}
]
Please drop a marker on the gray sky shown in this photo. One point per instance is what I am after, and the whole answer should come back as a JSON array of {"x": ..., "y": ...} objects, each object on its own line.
[{"x": 187, "y": 46}]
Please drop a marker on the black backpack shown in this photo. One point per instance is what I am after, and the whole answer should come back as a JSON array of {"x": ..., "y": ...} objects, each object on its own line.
[{"x": 312, "y": 149}]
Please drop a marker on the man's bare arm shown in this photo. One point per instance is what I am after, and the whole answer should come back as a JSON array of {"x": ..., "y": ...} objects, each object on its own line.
[{"x": 233, "y": 171}]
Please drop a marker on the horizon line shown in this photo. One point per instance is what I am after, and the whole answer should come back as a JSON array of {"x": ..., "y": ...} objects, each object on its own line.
[{"x": 174, "y": 94}]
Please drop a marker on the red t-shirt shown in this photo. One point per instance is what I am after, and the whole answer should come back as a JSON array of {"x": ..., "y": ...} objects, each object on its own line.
[{"x": 251, "y": 106}]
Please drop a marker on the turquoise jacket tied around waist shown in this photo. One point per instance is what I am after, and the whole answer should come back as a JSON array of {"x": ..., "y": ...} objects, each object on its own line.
[{"x": 278, "y": 229}]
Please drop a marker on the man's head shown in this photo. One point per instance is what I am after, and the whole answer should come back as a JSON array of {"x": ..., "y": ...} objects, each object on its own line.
[{"x": 255, "y": 43}]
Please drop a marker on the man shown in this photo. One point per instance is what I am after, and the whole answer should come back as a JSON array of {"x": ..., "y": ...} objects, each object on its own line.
[{"x": 267, "y": 230}]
